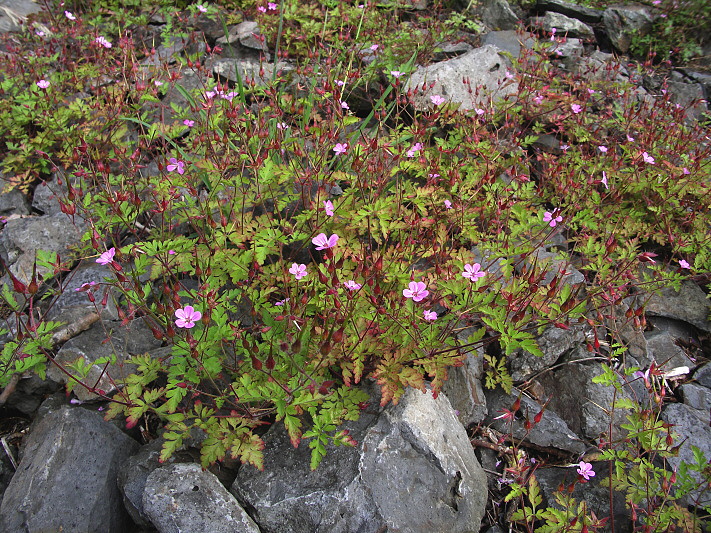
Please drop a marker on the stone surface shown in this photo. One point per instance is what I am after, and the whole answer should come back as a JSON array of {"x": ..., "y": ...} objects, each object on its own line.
[
  {"x": 72, "y": 302},
  {"x": 498, "y": 15},
  {"x": 550, "y": 432},
  {"x": 22, "y": 237},
  {"x": 183, "y": 498},
  {"x": 485, "y": 68},
  {"x": 662, "y": 347},
  {"x": 564, "y": 26},
  {"x": 688, "y": 304},
  {"x": 30, "y": 392},
  {"x": 508, "y": 41},
  {"x": 66, "y": 480},
  {"x": 413, "y": 470},
  {"x": 463, "y": 387},
  {"x": 703, "y": 375},
  {"x": 696, "y": 396},
  {"x": 250, "y": 71},
  {"x": 622, "y": 22},
  {"x": 582, "y": 13},
  {"x": 13, "y": 13},
  {"x": 246, "y": 34},
  {"x": 13, "y": 203},
  {"x": 554, "y": 264},
  {"x": 690, "y": 96},
  {"x": 135, "y": 338},
  {"x": 693, "y": 428}
]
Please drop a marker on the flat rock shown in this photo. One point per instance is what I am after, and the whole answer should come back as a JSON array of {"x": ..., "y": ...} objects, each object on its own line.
[
  {"x": 13, "y": 13},
  {"x": 66, "y": 480},
  {"x": 485, "y": 68},
  {"x": 184, "y": 498},
  {"x": 250, "y": 71},
  {"x": 582, "y": 13},
  {"x": 563, "y": 25},
  {"x": 688, "y": 304},
  {"x": 508, "y": 41},
  {"x": 413, "y": 470}
]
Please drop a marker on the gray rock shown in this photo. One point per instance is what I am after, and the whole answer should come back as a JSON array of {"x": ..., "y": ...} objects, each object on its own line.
[
  {"x": 413, "y": 470},
  {"x": 564, "y": 25},
  {"x": 246, "y": 34},
  {"x": 696, "y": 396},
  {"x": 135, "y": 338},
  {"x": 688, "y": 304},
  {"x": 446, "y": 51},
  {"x": 703, "y": 376},
  {"x": 600, "y": 66},
  {"x": 250, "y": 71},
  {"x": 554, "y": 264},
  {"x": 498, "y": 15},
  {"x": 21, "y": 238},
  {"x": 463, "y": 386},
  {"x": 66, "y": 480},
  {"x": 166, "y": 54},
  {"x": 690, "y": 96},
  {"x": 702, "y": 78},
  {"x": 553, "y": 342},
  {"x": 44, "y": 197},
  {"x": 623, "y": 22},
  {"x": 73, "y": 303},
  {"x": 693, "y": 429},
  {"x": 508, "y": 41},
  {"x": 13, "y": 203},
  {"x": 582, "y": 13},
  {"x": 550, "y": 432},
  {"x": 662, "y": 347},
  {"x": 568, "y": 50},
  {"x": 13, "y": 13},
  {"x": 184, "y": 498},
  {"x": 30, "y": 392},
  {"x": 485, "y": 68}
]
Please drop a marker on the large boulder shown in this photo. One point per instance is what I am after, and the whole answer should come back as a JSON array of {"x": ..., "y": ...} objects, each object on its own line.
[
  {"x": 413, "y": 470},
  {"x": 66, "y": 480},
  {"x": 623, "y": 22}
]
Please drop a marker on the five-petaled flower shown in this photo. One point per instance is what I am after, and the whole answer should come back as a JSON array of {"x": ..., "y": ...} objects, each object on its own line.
[
  {"x": 585, "y": 470},
  {"x": 201, "y": 8},
  {"x": 189, "y": 123},
  {"x": 100, "y": 40},
  {"x": 43, "y": 84},
  {"x": 473, "y": 272},
  {"x": 647, "y": 158},
  {"x": 576, "y": 108},
  {"x": 298, "y": 270},
  {"x": 107, "y": 257},
  {"x": 340, "y": 148},
  {"x": 437, "y": 99},
  {"x": 344, "y": 105},
  {"x": 396, "y": 73},
  {"x": 683, "y": 263},
  {"x": 69, "y": 15},
  {"x": 417, "y": 291},
  {"x": 328, "y": 206},
  {"x": 187, "y": 317},
  {"x": 430, "y": 316},
  {"x": 176, "y": 165},
  {"x": 414, "y": 149},
  {"x": 352, "y": 285},
  {"x": 603, "y": 149},
  {"x": 323, "y": 243},
  {"x": 552, "y": 221},
  {"x": 448, "y": 204}
]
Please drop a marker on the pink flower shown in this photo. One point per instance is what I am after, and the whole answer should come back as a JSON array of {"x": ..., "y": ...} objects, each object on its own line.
[
  {"x": 685, "y": 171},
  {"x": 103, "y": 42},
  {"x": 414, "y": 149},
  {"x": 107, "y": 257},
  {"x": 328, "y": 206},
  {"x": 187, "y": 317},
  {"x": 430, "y": 316},
  {"x": 352, "y": 285},
  {"x": 437, "y": 99},
  {"x": 647, "y": 158},
  {"x": 176, "y": 165},
  {"x": 282, "y": 125},
  {"x": 340, "y": 148},
  {"x": 576, "y": 108},
  {"x": 630, "y": 138},
  {"x": 548, "y": 217},
  {"x": 374, "y": 47},
  {"x": 473, "y": 272},
  {"x": 282, "y": 302},
  {"x": 591, "y": 91},
  {"x": 585, "y": 470},
  {"x": 201, "y": 8},
  {"x": 684, "y": 264},
  {"x": 603, "y": 149},
  {"x": 479, "y": 112},
  {"x": 39, "y": 33},
  {"x": 396, "y": 73},
  {"x": 417, "y": 291},
  {"x": 272, "y": 6},
  {"x": 604, "y": 180},
  {"x": 189, "y": 123},
  {"x": 344, "y": 105},
  {"x": 157, "y": 83},
  {"x": 299, "y": 271},
  {"x": 85, "y": 286},
  {"x": 323, "y": 243},
  {"x": 69, "y": 15},
  {"x": 43, "y": 84},
  {"x": 262, "y": 9},
  {"x": 340, "y": 83},
  {"x": 448, "y": 204}
]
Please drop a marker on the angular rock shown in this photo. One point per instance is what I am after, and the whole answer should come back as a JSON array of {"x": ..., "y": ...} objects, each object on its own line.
[
  {"x": 703, "y": 376},
  {"x": 693, "y": 428},
  {"x": 554, "y": 265},
  {"x": 485, "y": 68},
  {"x": 690, "y": 96},
  {"x": 508, "y": 41},
  {"x": 550, "y": 432},
  {"x": 667, "y": 354},
  {"x": 563, "y": 25},
  {"x": 463, "y": 386},
  {"x": 696, "y": 396},
  {"x": 688, "y": 304},
  {"x": 582, "y": 13},
  {"x": 623, "y": 22},
  {"x": 498, "y": 15},
  {"x": 13, "y": 13},
  {"x": 182, "y": 497},
  {"x": 66, "y": 480},
  {"x": 21, "y": 238},
  {"x": 133, "y": 339},
  {"x": 13, "y": 203},
  {"x": 449, "y": 50},
  {"x": 246, "y": 34},
  {"x": 600, "y": 66},
  {"x": 30, "y": 393},
  {"x": 554, "y": 342},
  {"x": 72, "y": 302},
  {"x": 250, "y": 71},
  {"x": 413, "y": 470}
]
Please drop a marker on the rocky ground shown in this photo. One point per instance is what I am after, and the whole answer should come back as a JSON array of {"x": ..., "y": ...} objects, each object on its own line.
[{"x": 425, "y": 465}]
